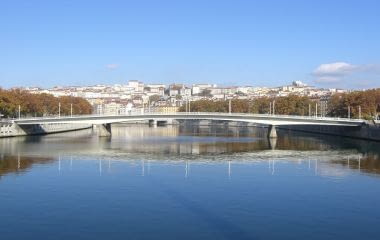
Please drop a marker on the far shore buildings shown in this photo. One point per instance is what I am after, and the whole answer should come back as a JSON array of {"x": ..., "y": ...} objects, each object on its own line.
[{"x": 136, "y": 95}]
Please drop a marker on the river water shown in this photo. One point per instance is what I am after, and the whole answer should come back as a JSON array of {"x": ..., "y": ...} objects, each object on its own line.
[{"x": 180, "y": 182}]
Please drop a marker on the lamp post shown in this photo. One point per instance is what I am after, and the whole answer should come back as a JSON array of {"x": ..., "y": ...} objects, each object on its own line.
[
  {"x": 360, "y": 112},
  {"x": 59, "y": 109},
  {"x": 270, "y": 108},
  {"x": 274, "y": 101},
  {"x": 71, "y": 110},
  {"x": 316, "y": 109},
  {"x": 19, "y": 111},
  {"x": 322, "y": 110},
  {"x": 349, "y": 112},
  {"x": 229, "y": 106}
]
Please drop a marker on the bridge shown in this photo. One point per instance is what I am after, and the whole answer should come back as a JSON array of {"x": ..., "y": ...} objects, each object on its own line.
[{"x": 103, "y": 122}]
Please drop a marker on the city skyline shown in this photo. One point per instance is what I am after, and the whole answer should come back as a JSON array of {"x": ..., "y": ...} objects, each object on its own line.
[
  {"x": 187, "y": 84},
  {"x": 122, "y": 98},
  {"x": 325, "y": 43}
]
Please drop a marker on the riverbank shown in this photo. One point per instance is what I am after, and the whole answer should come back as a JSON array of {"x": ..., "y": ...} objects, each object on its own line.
[
  {"x": 366, "y": 132},
  {"x": 13, "y": 130}
]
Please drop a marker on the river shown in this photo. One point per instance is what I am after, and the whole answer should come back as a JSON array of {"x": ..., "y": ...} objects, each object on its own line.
[{"x": 188, "y": 182}]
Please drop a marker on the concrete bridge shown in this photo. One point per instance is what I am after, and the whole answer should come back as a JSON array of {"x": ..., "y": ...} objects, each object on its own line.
[{"x": 103, "y": 122}]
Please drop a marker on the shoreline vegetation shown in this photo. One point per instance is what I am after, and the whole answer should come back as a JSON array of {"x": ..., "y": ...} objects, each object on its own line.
[
  {"x": 363, "y": 104},
  {"x": 38, "y": 105}
]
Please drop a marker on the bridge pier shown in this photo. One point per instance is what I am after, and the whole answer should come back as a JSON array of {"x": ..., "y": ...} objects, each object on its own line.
[
  {"x": 18, "y": 130},
  {"x": 104, "y": 130},
  {"x": 272, "y": 133},
  {"x": 152, "y": 123}
]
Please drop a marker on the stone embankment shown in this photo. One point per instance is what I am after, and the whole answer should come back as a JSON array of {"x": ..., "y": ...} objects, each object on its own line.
[
  {"x": 9, "y": 129},
  {"x": 368, "y": 131}
]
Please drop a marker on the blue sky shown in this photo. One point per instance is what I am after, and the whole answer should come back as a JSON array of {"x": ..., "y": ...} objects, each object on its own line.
[{"x": 259, "y": 43}]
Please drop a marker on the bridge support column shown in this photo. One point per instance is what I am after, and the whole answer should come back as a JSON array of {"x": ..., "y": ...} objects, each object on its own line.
[
  {"x": 152, "y": 123},
  {"x": 272, "y": 133},
  {"x": 104, "y": 130}
]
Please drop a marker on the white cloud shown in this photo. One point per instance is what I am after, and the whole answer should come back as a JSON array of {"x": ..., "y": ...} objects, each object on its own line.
[
  {"x": 112, "y": 66},
  {"x": 335, "y": 69},
  {"x": 328, "y": 79},
  {"x": 339, "y": 73}
]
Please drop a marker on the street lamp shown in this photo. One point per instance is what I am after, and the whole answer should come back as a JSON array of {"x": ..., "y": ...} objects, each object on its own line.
[
  {"x": 229, "y": 106},
  {"x": 59, "y": 109},
  {"x": 321, "y": 111},
  {"x": 316, "y": 109},
  {"x": 270, "y": 108}
]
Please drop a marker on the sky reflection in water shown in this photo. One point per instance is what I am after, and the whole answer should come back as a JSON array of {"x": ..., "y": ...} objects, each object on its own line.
[{"x": 188, "y": 183}]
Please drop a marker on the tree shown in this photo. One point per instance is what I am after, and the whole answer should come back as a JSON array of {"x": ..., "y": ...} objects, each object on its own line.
[
  {"x": 39, "y": 104},
  {"x": 366, "y": 103}
]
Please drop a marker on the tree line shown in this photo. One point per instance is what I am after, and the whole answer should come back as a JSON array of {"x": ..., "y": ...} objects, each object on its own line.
[
  {"x": 38, "y": 105},
  {"x": 363, "y": 103},
  {"x": 291, "y": 105}
]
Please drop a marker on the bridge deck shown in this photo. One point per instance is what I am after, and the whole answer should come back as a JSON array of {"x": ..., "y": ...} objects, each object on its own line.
[{"x": 265, "y": 119}]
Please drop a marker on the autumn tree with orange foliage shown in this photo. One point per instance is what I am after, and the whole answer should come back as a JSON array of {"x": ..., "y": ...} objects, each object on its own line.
[
  {"x": 38, "y": 105},
  {"x": 366, "y": 102},
  {"x": 290, "y": 105}
]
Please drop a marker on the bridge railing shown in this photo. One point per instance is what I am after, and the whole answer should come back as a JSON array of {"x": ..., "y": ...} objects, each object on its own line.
[{"x": 147, "y": 113}]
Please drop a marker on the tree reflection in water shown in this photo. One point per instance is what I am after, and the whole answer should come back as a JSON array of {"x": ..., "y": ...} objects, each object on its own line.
[{"x": 19, "y": 164}]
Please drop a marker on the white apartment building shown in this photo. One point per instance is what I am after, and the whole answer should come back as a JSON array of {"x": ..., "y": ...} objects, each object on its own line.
[
  {"x": 185, "y": 92},
  {"x": 136, "y": 85},
  {"x": 155, "y": 89}
]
